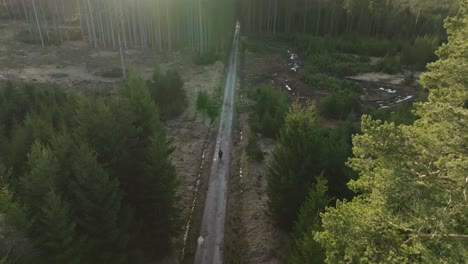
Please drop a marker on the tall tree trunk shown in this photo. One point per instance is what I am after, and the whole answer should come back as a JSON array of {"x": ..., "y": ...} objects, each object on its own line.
[
  {"x": 92, "y": 24},
  {"x": 304, "y": 28},
  {"x": 37, "y": 21},
  {"x": 123, "y": 25},
  {"x": 317, "y": 30},
  {"x": 80, "y": 18},
  {"x": 101, "y": 28}
]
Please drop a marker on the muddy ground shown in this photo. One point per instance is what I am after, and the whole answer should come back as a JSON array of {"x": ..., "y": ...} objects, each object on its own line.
[
  {"x": 282, "y": 70},
  {"x": 75, "y": 65}
]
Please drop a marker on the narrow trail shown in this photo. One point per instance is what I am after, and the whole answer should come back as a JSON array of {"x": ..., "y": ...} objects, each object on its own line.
[{"x": 211, "y": 240}]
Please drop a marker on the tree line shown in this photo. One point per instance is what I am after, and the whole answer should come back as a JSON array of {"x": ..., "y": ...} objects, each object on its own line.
[
  {"x": 201, "y": 25},
  {"x": 391, "y": 18},
  {"x": 85, "y": 178}
]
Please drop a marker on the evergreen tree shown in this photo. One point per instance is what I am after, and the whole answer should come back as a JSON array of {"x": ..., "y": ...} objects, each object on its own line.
[
  {"x": 95, "y": 198},
  {"x": 57, "y": 239},
  {"x": 295, "y": 164},
  {"x": 42, "y": 174},
  {"x": 412, "y": 179},
  {"x": 51, "y": 229},
  {"x": 150, "y": 184},
  {"x": 270, "y": 108},
  {"x": 304, "y": 249},
  {"x": 168, "y": 93}
]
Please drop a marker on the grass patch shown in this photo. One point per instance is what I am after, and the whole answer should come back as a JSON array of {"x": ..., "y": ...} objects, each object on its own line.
[
  {"x": 53, "y": 38},
  {"x": 206, "y": 58}
]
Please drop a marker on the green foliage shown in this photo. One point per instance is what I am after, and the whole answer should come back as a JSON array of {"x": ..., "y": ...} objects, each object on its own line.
[
  {"x": 388, "y": 64},
  {"x": 96, "y": 199},
  {"x": 91, "y": 160},
  {"x": 207, "y": 105},
  {"x": 54, "y": 37},
  {"x": 360, "y": 45},
  {"x": 403, "y": 113},
  {"x": 411, "y": 206},
  {"x": 421, "y": 52},
  {"x": 168, "y": 93},
  {"x": 305, "y": 150},
  {"x": 304, "y": 249},
  {"x": 337, "y": 64},
  {"x": 339, "y": 104},
  {"x": 57, "y": 238},
  {"x": 207, "y": 58},
  {"x": 330, "y": 83},
  {"x": 295, "y": 164},
  {"x": 270, "y": 108},
  {"x": 34, "y": 38},
  {"x": 253, "y": 149}
]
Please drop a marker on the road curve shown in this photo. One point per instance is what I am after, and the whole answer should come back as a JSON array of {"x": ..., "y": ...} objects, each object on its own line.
[{"x": 211, "y": 238}]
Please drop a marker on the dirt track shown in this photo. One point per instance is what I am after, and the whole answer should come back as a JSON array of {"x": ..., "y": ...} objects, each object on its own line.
[{"x": 211, "y": 241}]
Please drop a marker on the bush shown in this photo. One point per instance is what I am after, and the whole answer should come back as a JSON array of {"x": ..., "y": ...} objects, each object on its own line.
[
  {"x": 338, "y": 64},
  {"x": 390, "y": 65},
  {"x": 253, "y": 149},
  {"x": 421, "y": 52},
  {"x": 205, "y": 58},
  {"x": 168, "y": 93},
  {"x": 207, "y": 105},
  {"x": 348, "y": 44},
  {"x": 34, "y": 38},
  {"x": 339, "y": 104},
  {"x": 270, "y": 108},
  {"x": 330, "y": 83}
]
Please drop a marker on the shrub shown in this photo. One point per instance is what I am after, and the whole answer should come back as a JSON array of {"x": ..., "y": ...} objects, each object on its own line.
[
  {"x": 168, "y": 93},
  {"x": 390, "y": 65},
  {"x": 339, "y": 104},
  {"x": 253, "y": 149},
  {"x": 338, "y": 64},
  {"x": 33, "y": 38},
  {"x": 205, "y": 58},
  {"x": 421, "y": 52},
  {"x": 330, "y": 83},
  {"x": 270, "y": 108},
  {"x": 207, "y": 105}
]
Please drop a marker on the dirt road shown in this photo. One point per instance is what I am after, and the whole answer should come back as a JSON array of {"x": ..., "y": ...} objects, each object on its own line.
[{"x": 211, "y": 239}]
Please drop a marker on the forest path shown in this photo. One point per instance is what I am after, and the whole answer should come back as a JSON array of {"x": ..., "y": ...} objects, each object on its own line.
[{"x": 211, "y": 240}]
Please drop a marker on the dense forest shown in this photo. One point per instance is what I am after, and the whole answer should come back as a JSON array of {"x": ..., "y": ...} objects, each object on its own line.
[
  {"x": 388, "y": 18},
  {"x": 86, "y": 178},
  {"x": 158, "y": 25}
]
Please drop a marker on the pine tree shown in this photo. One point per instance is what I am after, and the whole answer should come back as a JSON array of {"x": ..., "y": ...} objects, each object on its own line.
[
  {"x": 304, "y": 249},
  {"x": 295, "y": 164},
  {"x": 151, "y": 190},
  {"x": 43, "y": 171},
  {"x": 57, "y": 239},
  {"x": 51, "y": 229},
  {"x": 95, "y": 198},
  {"x": 412, "y": 178}
]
